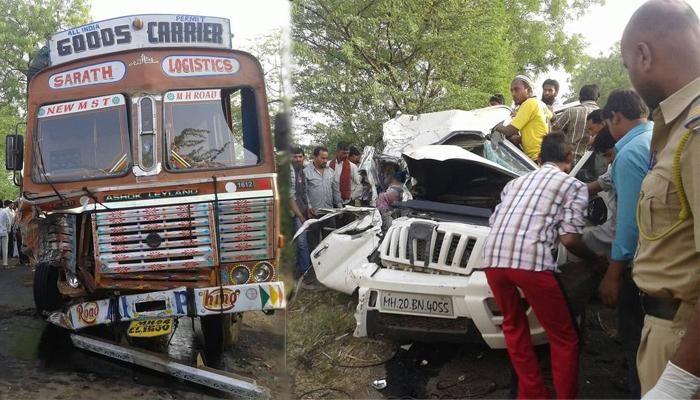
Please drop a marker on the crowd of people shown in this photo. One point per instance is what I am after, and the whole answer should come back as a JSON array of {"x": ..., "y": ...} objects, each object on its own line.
[
  {"x": 318, "y": 184},
  {"x": 650, "y": 244}
]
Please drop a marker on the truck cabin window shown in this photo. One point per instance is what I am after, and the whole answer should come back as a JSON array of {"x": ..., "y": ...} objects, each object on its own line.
[
  {"x": 211, "y": 129},
  {"x": 84, "y": 139}
]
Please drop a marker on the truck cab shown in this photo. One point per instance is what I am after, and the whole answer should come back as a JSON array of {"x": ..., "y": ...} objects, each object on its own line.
[{"x": 148, "y": 181}]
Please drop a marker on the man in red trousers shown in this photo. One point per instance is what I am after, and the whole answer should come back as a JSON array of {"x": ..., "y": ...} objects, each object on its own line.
[{"x": 537, "y": 212}]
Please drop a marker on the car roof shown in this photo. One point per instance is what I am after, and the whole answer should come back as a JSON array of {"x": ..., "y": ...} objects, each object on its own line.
[{"x": 433, "y": 128}]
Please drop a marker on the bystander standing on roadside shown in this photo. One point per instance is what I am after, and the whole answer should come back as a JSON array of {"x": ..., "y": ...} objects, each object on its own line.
[
  {"x": 531, "y": 121},
  {"x": 22, "y": 258},
  {"x": 550, "y": 91},
  {"x": 5, "y": 228},
  {"x": 299, "y": 204},
  {"x": 11, "y": 245},
  {"x": 320, "y": 191},
  {"x": 342, "y": 150},
  {"x": 661, "y": 50},
  {"x": 572, "y": 121},
  {"x": 537, "y": 211},
  {"x": 625, "y": 115},
  {"x": 348, "y": 182},
  {"x": 497, "y": 100},
  {"x": 599, "y": 238},
  {"x": 354, "y": 155},
  {"x": 594, "y": 123}
]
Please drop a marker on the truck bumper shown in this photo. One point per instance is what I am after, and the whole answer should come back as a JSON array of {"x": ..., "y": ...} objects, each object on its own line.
[
  {"x": 173, "y": 303},
  {"x": 474, "y": 317}
]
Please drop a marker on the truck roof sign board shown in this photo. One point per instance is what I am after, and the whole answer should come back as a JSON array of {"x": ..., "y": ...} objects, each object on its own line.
[
  {"x": 94, "y": 103},
  {"x": 139, "y": 31}
]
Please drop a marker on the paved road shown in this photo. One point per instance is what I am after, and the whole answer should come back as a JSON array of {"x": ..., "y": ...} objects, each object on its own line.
[{"x": 38, "y": 361}]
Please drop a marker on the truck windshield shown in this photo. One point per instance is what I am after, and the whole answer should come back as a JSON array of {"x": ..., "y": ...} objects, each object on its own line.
[
  {"x": 84, "y": 139},
  {"x": 211, "y": 129}
]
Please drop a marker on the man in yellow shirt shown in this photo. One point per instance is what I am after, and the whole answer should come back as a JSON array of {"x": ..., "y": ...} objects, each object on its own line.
[{"x": 531, "y": 121}]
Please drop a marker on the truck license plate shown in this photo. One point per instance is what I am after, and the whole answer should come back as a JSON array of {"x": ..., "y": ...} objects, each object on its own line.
[
  {"x": 409, "y": 303},
  {"x": 150, "y": 327}
]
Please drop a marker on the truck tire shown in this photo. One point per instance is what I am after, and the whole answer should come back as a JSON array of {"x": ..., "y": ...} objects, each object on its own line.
[
  {"x": 46, "y": 294},
  {"x": 220, "y": 332}
]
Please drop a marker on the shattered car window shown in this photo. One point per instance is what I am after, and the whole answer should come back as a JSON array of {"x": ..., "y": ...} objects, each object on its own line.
[{"x": 503, "y": 157}]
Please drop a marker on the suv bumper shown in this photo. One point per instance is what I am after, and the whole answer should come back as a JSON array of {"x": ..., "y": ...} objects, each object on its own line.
[{"x": 472, "y": 319}]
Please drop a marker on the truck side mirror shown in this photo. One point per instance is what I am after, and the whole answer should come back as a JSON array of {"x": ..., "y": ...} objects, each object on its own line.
[
  {"x": 14, "y": 152},
  {"x": 282, "y": 130}
]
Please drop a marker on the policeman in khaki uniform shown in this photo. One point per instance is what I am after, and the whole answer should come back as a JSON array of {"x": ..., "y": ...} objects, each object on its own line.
[{"x": 661, "y": 50}]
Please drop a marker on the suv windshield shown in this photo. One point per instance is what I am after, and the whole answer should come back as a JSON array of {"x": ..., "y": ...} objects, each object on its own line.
[
  {"x": 83, "y": 139},
  {"x": 211, "y": 128},
  {"x": 496, "y": 151},
  {"x": 504, "y": 157}
]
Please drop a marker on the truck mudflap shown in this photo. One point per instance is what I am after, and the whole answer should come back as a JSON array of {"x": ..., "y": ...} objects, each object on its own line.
[
  {"x": 173, "y": 303},
  {"x": 241, "y": 387}
]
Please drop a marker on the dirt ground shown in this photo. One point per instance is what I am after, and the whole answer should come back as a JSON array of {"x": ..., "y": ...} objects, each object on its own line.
[
  {"x": 38, "y": 361},
  {"x": 325, "y": 361},
  {"x": 322, "y": 358}
]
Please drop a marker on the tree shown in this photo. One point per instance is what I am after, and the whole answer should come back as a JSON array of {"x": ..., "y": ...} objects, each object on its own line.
[
  {"x": 362, "y": 62},
  {"x": 607, "y": 71},
  {"x": 269, "y": 50},
  {"x": 25, "y": 26}
]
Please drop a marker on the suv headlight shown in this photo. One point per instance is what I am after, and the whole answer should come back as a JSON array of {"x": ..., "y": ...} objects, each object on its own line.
[
  {"x": 240, "y": 274},
  {"x": 262, "y": 272}
]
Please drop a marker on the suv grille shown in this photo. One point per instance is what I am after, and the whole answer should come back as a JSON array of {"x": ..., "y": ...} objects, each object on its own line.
[{"x": 446, "y": 250}]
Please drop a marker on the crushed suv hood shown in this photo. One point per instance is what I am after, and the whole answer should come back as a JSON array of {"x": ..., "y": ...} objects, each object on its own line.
[
  {"x": 450, "y": 174},
  {"x": 406, "y": 132}
]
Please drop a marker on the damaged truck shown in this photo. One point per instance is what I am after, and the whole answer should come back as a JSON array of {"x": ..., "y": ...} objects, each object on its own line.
[
  {"x": 419, "y": 279},
  {"x": 148, "y": 182}
]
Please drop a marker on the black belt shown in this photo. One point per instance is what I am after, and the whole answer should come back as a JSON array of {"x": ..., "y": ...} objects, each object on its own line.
[{"x": 659, "y": 307}]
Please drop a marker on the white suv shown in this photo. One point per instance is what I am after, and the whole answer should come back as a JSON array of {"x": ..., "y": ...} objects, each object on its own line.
[{"x": 418, "y": 280}]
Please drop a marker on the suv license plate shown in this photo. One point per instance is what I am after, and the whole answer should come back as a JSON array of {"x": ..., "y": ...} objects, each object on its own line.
[
  {"x": 150, "y": 327},
  {"x": 410, "y": 303}
]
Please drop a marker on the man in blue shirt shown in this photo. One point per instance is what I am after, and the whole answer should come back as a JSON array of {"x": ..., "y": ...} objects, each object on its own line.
[{"x": 625, "y": 114}]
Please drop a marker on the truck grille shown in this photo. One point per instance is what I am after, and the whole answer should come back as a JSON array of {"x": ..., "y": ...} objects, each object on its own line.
[
  {"x": 449, "y": 249},
  {"x": 149, "y": 243},
  {"x": 156, "y": 238},
  {"x": 245, "y": 229}
]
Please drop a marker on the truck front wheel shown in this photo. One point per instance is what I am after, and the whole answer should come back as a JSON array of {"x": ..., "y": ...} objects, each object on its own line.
[
  {"x": 220, "y": 332},
  {"x": 46, "y": 294}
]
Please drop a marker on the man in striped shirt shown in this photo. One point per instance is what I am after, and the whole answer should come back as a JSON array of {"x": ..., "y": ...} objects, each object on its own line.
[
  {"x": 573, "y": 120},
  {"x": 537, "y": 211}
]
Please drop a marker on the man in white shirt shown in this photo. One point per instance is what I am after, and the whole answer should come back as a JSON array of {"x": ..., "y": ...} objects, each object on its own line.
[
  {"x": 10, "y": 206},
  {"x": 5, "y": 228}
]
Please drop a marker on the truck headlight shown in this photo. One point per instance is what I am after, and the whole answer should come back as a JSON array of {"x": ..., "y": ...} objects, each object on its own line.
[
  {"x": 72, "y": 280},
  {"x": 262, "y": 272},
  {"x": 240, "y": 274}
]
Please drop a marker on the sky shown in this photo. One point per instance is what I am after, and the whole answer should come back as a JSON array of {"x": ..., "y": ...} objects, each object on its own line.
[
  {"x": 249, "y": 18},
  {"x": 600, "y": 27}
]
